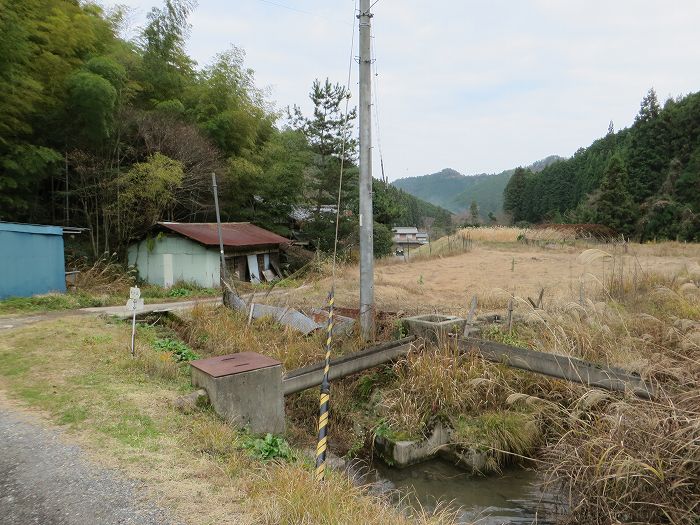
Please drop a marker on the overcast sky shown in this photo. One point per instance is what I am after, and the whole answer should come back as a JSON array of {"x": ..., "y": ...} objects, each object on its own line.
[{"x": 478, "y": 86}]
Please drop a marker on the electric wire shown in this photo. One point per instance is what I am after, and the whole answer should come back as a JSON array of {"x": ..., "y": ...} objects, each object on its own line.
[
  {"x": 269, "y": 2},
  {"x": 324, "y": 402},
  {"x": 343, "y": 148},
  {"x": 375, "y": 94}
]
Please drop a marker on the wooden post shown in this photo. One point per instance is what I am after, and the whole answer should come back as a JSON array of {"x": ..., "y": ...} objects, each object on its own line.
[
  {"x": 510, "y": 314},
  {"x": 472, "y": 310}
]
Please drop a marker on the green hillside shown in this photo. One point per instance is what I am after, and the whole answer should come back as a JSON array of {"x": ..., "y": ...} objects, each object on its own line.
[
  {"x": 642, "y": 181},
  {"x": 451, "y": 190}
]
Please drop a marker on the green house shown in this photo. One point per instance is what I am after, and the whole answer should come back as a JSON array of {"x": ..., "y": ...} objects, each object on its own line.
[{"x": 177, "y": 251}]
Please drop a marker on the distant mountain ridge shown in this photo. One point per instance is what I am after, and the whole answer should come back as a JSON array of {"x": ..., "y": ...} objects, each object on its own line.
[{"x": 454, "y": 191}]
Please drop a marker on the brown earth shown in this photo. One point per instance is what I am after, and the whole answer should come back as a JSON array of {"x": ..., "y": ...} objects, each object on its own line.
[{"x": 494, "y": 271}]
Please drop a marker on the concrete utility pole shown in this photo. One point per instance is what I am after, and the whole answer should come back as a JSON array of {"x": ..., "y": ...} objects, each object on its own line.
[{"x": 366, "y": 213}]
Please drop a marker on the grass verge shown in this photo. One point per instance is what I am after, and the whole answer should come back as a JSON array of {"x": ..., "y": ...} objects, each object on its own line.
[{"x": 79, "y": 372}]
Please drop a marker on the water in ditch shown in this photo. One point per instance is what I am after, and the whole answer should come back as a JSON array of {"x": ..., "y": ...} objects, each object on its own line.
[{"x": 509, "y": 498}]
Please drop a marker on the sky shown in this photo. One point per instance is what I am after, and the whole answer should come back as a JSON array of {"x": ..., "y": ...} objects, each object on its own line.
[{"x": 477, "y": 86}]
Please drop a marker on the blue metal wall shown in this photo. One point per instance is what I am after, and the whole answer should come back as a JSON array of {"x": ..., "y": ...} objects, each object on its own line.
[{"x": 31, "y": 260}]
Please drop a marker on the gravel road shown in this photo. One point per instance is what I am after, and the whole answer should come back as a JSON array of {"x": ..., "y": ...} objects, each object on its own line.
[{"x": 45, "y": 481}]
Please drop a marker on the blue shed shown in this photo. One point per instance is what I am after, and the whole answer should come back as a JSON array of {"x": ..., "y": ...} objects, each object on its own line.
[{"x": 31, "y": 260}]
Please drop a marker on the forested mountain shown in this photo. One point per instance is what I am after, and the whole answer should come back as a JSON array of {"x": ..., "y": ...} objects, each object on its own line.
[
  {"x": 643, "y": 181},
  {"x": 456, "y": 192},
  {"x": 114, "y": 135}
]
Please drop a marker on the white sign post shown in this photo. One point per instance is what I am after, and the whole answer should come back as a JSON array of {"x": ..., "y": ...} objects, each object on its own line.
[{"x": 133, "y": 305}]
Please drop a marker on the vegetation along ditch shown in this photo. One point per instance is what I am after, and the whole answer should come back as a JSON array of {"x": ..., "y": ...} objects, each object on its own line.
[{"x": 545, "y": 447}]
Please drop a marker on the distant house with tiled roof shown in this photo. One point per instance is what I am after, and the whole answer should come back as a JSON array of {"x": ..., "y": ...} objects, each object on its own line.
[
  {"x": 178, "y": 251},
  {"x": 406, "y": 236}
]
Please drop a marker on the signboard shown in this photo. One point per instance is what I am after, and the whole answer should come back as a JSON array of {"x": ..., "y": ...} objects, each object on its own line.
[{"x": 135, "y": 303}]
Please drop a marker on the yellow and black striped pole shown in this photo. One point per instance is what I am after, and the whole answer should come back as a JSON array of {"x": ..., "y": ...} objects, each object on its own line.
[{"x": 325, "y": 398}]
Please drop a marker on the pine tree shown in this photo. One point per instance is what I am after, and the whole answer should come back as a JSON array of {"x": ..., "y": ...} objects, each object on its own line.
[
  {"x": 614, "y": 206},
  {"x": 513, "y": 198},
  {"x": 649, "y": 107},
  {"x": 648, "y": 150},
  {"x": 329, "y": 133}
]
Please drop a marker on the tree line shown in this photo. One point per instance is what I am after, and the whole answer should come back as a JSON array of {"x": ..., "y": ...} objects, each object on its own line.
[
  {"x": 643, "y": 181},
  {"x": 114, "y": 134}
]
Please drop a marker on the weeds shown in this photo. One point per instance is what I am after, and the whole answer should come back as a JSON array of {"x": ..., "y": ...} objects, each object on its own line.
[
  {"x": 293, "y": 498},
  {"x": 268, "y": 448},
  {"x": 439, "y": 384},
  {"x": 506, "y": 435},
  {"x": 220, "y": 331},
  {"x": 179, "y": 350},
  {"x": 103, "y": 277}
]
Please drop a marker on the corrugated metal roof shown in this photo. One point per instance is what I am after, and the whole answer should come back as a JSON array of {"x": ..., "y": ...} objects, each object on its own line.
[
  {"x": 235, "y": 234},
  {"x": 30, "y": 228}
]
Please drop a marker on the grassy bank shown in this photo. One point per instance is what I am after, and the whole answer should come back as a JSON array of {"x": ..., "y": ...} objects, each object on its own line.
[{"x": 75, "y": 299}]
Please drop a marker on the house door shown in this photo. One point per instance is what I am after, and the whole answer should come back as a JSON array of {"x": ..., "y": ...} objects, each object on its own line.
[
  {"x": 167, "y": 270},
  {"x": 253, "y": 269}
]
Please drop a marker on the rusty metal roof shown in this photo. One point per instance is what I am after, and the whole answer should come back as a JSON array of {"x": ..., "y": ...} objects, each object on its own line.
[
  {"x": 227, "y": 365},
  {"x": 234, "y": 234}
]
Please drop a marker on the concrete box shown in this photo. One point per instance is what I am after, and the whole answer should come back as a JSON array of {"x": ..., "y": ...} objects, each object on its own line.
[
  {"x": 245, "y": 389},
  {"x": 435, "y": 327}
]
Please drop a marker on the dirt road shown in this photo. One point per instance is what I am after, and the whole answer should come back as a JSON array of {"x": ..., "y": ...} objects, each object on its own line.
[{"x": 45, "y": 481}]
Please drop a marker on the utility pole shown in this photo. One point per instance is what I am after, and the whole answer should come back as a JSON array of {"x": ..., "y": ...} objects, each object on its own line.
[{"x": 366, "y": 213}]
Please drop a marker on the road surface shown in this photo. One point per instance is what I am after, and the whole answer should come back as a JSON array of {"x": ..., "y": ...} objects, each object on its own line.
[{"x": 45, "y": 481}]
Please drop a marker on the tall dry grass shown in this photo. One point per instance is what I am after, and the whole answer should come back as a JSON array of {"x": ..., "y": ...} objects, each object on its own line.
[
  {"x": 622, "y": 459},
  {"x": 292, "y": 497},
  {"x": 494, "y": 233},
  {"x": 632, "y": 462},
  {"x": 219, "y": 331},
  {"x": 103, "y": 277},
  {"x": 509, "y": 234},
  {"x": 439, "y": 384}
]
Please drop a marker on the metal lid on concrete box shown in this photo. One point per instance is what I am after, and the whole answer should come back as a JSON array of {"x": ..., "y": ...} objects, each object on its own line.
[{"x": 227, "y": 365}]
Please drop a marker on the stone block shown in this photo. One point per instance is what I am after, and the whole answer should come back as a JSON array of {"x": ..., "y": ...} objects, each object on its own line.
[{"x": 245, "y": 389}]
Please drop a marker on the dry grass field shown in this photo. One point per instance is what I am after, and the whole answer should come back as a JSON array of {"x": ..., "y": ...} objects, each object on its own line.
[{"x": 493, "y": 270}]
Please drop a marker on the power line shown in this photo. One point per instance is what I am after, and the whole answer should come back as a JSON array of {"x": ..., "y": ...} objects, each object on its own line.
[
  {"x": 301, "y": 11},
  {"x": 270, "y": 2},
  {"x": 322, "y": 443},
  {"x": 375, "y": 93}
]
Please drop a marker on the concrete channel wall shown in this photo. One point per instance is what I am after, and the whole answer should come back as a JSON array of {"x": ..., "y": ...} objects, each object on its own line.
[
  {"x": 310, "y": 376},
  {"x": 559, "y": 366}
]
